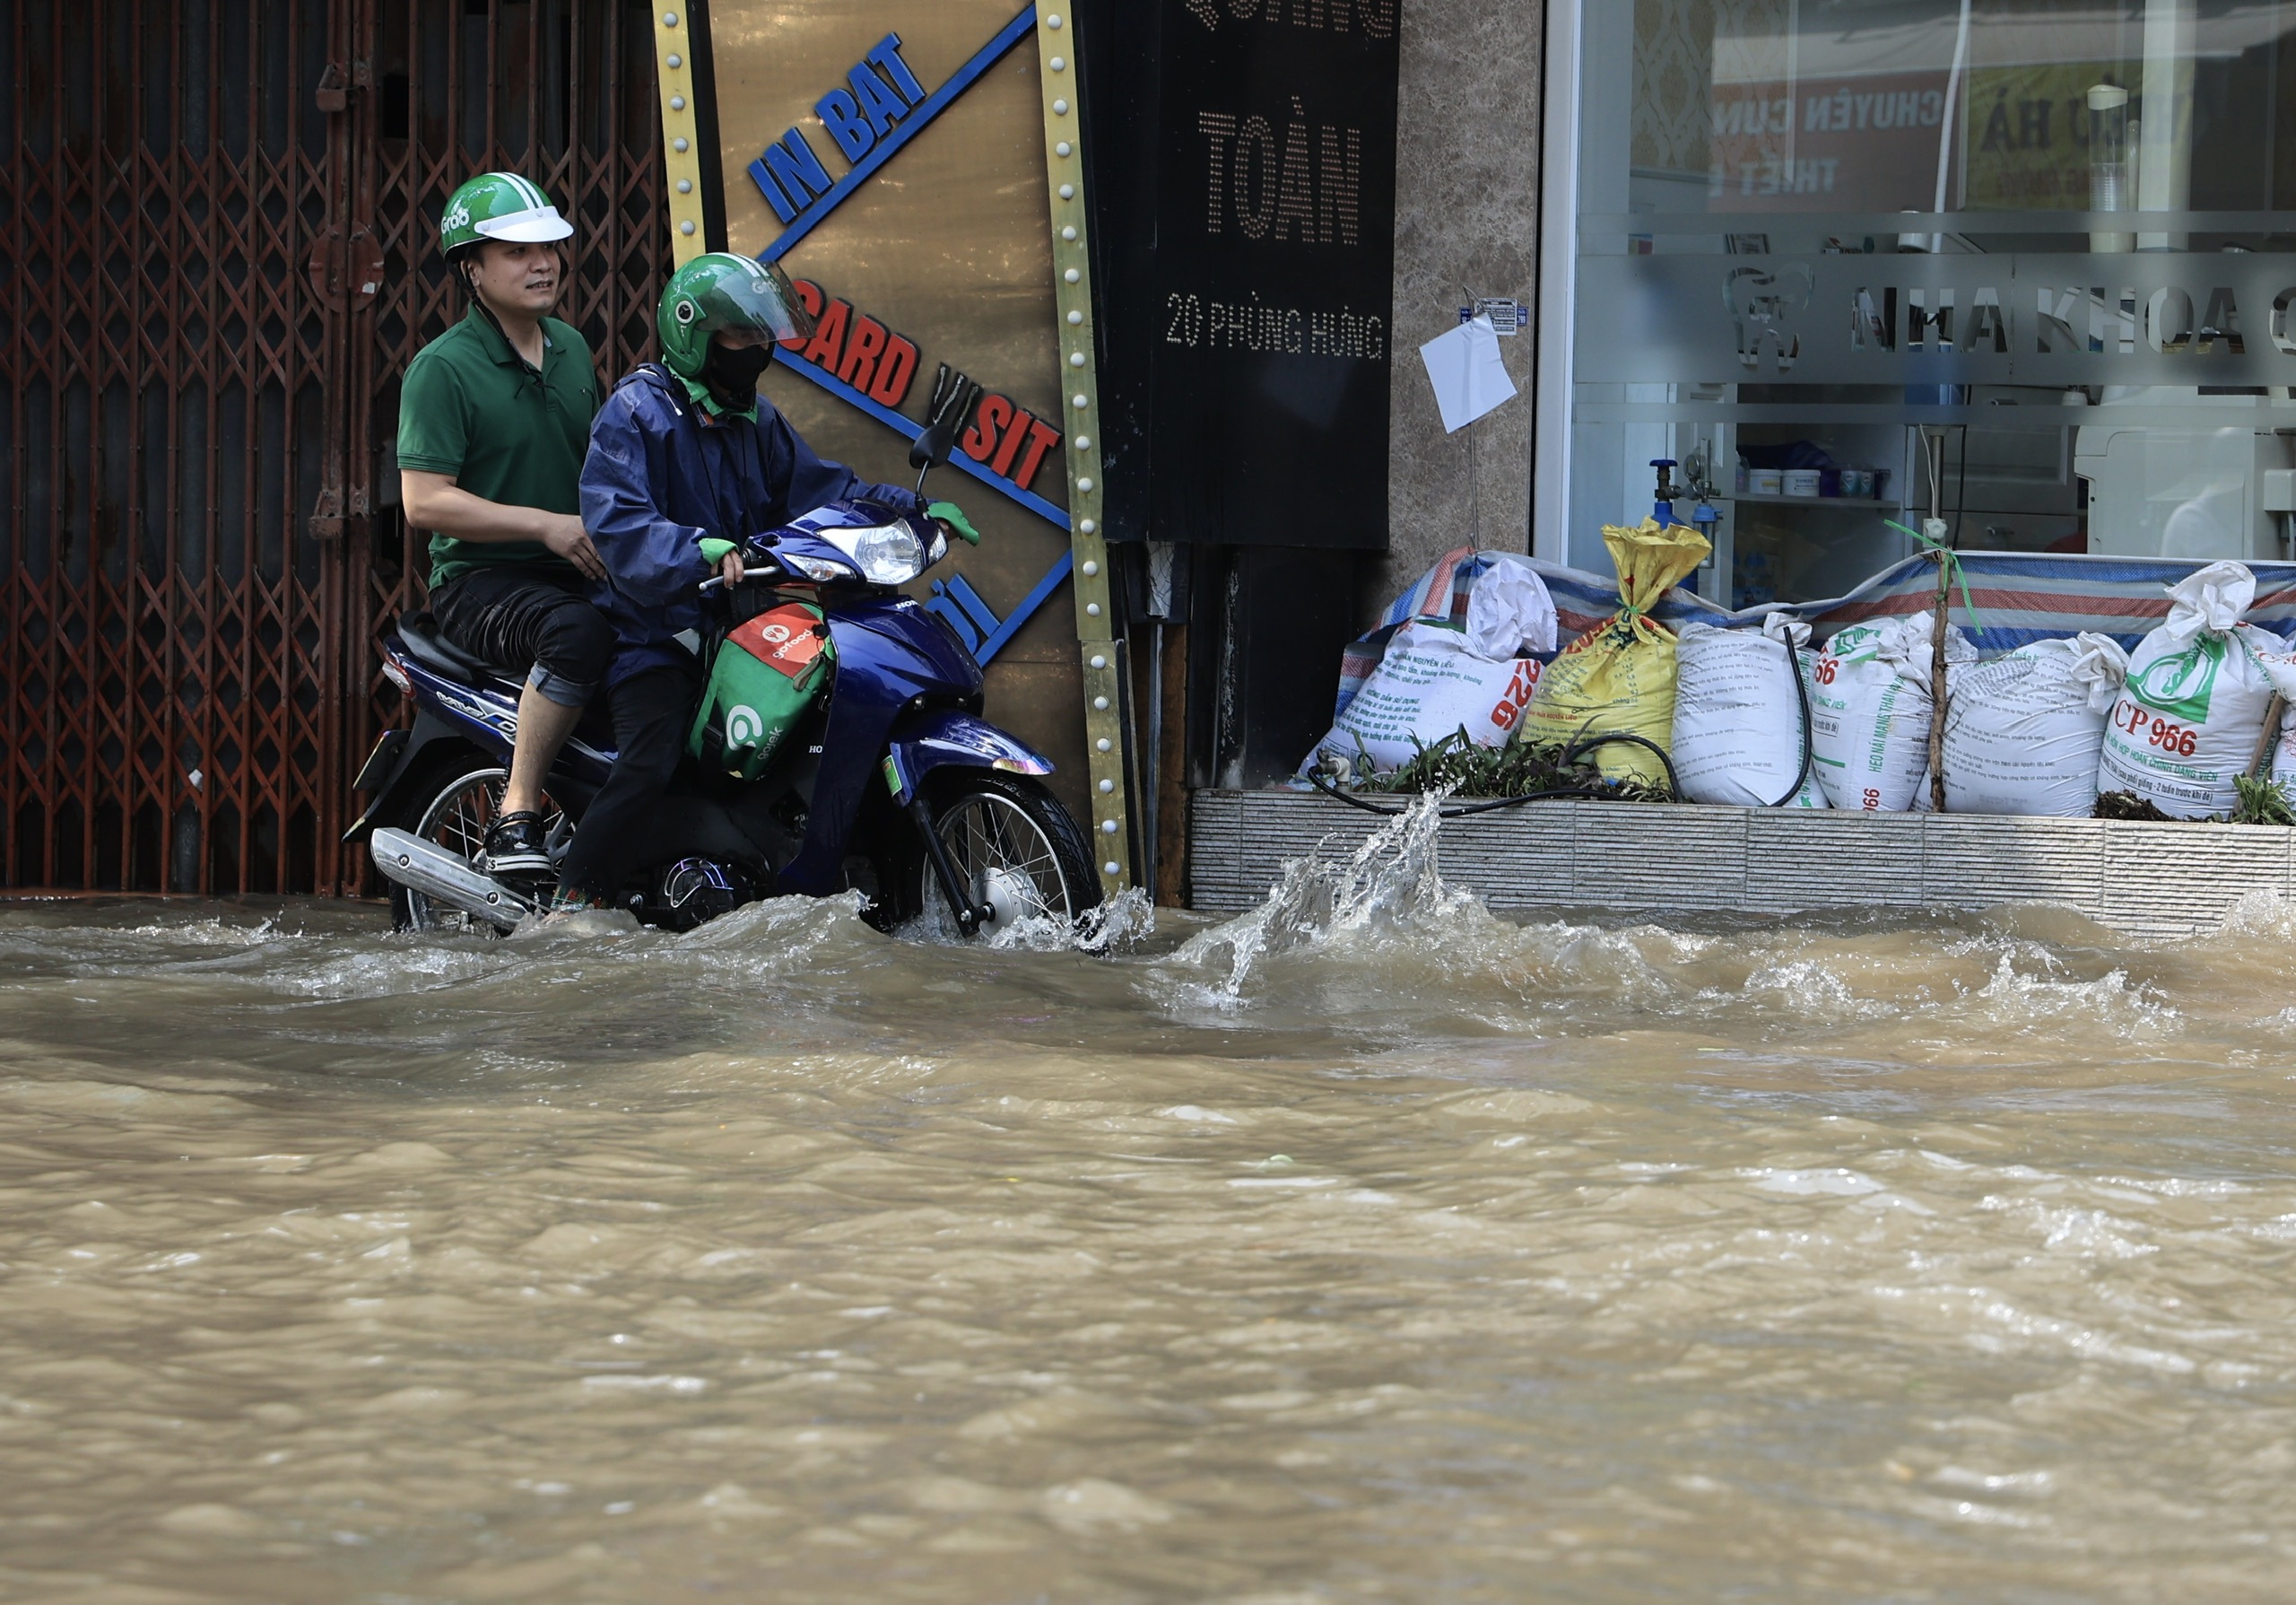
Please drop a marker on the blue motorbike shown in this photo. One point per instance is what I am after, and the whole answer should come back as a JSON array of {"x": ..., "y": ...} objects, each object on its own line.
[{"x": 892, "y": 784}]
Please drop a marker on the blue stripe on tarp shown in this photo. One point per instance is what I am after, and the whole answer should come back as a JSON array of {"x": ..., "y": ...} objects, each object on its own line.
[
  {"x": 926, "y": 110},
  {"x": 908, "y": 429},
  {"x": 1021, "y": 615}
]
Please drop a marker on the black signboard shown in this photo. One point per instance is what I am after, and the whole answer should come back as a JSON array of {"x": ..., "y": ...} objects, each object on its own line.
[{"x": 1244, "y": 176}]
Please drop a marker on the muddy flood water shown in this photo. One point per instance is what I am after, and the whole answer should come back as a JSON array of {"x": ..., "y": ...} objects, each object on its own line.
[{"x": 1369, "y": 1247}]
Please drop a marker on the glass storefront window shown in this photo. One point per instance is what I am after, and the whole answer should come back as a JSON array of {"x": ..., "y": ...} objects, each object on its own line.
[{"x": 2027, "y": 265}]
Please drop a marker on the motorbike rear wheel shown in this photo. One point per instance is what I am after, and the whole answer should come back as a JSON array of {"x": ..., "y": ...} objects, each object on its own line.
[
  {"x": 453, "y": 810},
  {"x": 1015, "y": 848}
]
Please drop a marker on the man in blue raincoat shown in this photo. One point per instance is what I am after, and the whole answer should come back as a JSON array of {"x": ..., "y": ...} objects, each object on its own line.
[{"x": 687, "y": 463}]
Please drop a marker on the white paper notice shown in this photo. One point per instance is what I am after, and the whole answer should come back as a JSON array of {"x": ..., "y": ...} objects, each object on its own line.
[{"x": 1465, "y": 367}]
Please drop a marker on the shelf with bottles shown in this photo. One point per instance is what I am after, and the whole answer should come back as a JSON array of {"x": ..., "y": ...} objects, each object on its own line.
[{"x": 1877, "y": 504}]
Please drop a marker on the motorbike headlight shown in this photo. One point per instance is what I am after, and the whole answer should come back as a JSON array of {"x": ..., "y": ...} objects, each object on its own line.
[
  {"x": 812, "y": 568},
  {"x": 886, "y": 555}
]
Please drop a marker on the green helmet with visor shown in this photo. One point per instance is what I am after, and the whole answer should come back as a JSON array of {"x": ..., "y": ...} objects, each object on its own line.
[
  {"x": 721, "y": 290},
  {"x": 499, "y": 206}
]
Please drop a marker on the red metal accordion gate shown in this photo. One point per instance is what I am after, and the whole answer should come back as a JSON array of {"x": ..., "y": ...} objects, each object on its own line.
[{"x": 221, "y": 217}]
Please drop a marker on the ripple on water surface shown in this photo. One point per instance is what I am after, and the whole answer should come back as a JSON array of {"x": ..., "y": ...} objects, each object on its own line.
[{"x": 1367, "y": 1248}]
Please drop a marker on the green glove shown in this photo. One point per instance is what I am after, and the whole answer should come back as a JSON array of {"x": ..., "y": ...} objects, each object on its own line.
[
  {"x": 713, "y": 549},
  {"x": 949, "y": 513}
]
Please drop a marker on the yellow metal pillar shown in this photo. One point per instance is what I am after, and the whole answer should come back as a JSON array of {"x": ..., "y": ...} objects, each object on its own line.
[
  {"x": 681, "y": 146},
  {"x": 1104, "y": 734}
]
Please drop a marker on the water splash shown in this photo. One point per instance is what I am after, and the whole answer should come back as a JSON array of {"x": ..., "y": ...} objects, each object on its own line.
[
  {"x": 1392, "y": 879},
  {"x": 2013, "y": 1002},
  {"x": 1122, "y": 922}
]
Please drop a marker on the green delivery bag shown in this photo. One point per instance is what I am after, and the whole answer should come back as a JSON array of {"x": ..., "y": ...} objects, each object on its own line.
[{"x": 767, "y": 673}]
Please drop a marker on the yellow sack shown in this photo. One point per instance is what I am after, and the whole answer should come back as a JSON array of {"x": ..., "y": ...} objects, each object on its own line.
[{"x": 1618, "y": 679}]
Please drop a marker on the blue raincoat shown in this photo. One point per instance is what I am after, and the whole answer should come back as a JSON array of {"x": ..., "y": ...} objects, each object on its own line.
[{"x": 662, "y": 475}]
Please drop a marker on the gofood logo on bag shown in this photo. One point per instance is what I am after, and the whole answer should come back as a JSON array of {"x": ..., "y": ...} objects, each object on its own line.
[{"x": 2182, "y": 684}]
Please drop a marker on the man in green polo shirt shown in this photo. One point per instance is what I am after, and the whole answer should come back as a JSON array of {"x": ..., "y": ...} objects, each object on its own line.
[{"x": 494, "y": 419}]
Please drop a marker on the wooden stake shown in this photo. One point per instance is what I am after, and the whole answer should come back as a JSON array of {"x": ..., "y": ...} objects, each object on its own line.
[
  {"x": 1937, "y": 688},
  {"x": 2261, "y": 760}
]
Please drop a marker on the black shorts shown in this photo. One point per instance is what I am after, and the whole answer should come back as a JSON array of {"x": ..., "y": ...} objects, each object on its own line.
[{"x": 514, "y": 614}]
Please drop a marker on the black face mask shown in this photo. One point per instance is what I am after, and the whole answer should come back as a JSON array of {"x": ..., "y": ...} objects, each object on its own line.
[{"x": 732, "y": 375}]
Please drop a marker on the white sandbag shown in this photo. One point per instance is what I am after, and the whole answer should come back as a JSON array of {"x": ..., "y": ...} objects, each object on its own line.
[
  {"x": 1509, "y": 609},
  {"x": 2024, "y": 732},
  {"x": 1738, "y": 730},
  {"x": 2282, "y": 772},
  {"x": 1870, "y": 709},
  {"x": 2187, "y": 724},
  {"x": 1502, "y": 599},
  {"x": 1430, "y": 684}
]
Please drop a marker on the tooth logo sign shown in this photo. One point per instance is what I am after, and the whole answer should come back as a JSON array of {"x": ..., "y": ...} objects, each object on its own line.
[{"x": 743, "y": 727}]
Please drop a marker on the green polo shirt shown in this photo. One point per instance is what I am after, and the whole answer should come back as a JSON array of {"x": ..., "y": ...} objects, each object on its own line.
[{"x": 471, "y": 407}]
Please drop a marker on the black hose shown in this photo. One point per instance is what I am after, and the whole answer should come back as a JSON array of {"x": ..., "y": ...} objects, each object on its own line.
[
  {"x": 1802, "y": 696},
  {"x": 1588, "y": 744},
  {"x": 1322, "y": 782},
  {"x": 1570, "y": 755}
]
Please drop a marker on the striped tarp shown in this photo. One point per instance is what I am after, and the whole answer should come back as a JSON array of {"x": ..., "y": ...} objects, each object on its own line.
[
  {"x": 1441, "y": 593},
  {"x": 2020, "y": 597}
]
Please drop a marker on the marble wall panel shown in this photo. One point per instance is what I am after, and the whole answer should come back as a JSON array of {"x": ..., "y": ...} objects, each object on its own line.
[{"x": 1466, "y": 221}]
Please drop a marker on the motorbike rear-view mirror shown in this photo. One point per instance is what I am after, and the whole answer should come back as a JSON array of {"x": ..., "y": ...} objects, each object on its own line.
[
  {"x": 955, "y": 396},
  {"x": 931, "y": 448}
]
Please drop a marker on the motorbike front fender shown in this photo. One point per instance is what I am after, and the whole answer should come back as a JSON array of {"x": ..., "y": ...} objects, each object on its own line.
[{"x": 944, "y": 737}]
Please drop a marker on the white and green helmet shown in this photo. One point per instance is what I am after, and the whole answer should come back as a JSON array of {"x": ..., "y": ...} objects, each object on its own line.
[{"x": 499, "y": 206}]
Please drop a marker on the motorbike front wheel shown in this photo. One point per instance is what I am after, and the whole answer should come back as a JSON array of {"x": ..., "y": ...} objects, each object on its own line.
[
  {"x": 1015, "y": 849},
  {"x": 454, "y": 811}
]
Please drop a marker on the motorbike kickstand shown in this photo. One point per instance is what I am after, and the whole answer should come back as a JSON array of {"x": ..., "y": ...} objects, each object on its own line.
[{"x": 969, "y": 918}]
